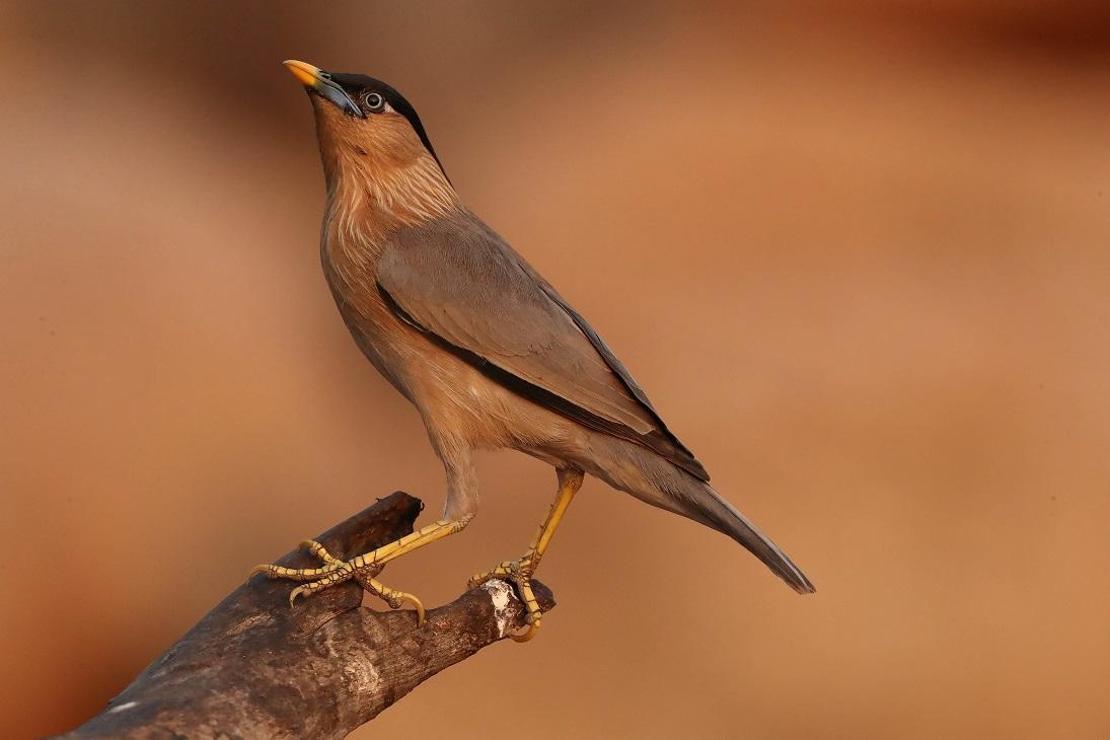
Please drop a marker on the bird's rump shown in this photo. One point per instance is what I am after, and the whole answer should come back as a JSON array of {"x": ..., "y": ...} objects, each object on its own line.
[{"x": 457, "y": 281}]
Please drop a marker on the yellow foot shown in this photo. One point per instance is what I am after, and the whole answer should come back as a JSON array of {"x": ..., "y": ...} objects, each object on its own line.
[
  {"x": 335, "y": 571},
  {"x": 519, "y": 572}
]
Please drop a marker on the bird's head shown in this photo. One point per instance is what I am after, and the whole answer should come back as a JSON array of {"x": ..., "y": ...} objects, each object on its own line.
[{"x": 368, "y": 132}]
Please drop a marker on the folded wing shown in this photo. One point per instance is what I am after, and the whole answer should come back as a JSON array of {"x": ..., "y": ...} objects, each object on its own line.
[{"x": 458, "y": 282}]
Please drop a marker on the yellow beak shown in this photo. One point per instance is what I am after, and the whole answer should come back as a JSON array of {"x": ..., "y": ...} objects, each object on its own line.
[
  {"x": 306, "y": 73},
  {"x": 321, "y": 83}
]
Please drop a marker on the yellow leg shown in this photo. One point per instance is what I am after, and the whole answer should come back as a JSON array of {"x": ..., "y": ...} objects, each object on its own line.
[
  {"x": 362, "y": 568},
  {"x": 520, "y": 571}
]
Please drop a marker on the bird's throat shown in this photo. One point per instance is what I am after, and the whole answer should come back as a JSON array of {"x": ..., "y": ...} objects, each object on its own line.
[
  {"x": 382, "y": 195},
  {"x": 366, "y": 206}
]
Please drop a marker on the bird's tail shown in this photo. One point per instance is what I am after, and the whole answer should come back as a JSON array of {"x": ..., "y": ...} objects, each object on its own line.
[
  {"x": 719, "y": 514},
  {"x": 647, "y": 476}
]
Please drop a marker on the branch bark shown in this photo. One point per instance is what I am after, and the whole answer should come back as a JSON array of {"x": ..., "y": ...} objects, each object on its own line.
[{"x": 254, "y": 667}]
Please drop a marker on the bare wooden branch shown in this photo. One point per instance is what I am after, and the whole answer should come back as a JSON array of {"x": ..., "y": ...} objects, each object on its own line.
[{"x": 254, "y": 667}]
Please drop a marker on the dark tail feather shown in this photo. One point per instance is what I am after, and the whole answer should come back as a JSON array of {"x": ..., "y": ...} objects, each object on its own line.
[{"x": 723, "y": 516}]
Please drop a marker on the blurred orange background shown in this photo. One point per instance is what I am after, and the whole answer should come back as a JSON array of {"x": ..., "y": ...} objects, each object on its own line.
[{"x": 857, "y": 252}]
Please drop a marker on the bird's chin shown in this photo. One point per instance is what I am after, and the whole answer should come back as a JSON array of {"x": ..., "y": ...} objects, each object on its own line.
[{"x": 331, "y": 119}]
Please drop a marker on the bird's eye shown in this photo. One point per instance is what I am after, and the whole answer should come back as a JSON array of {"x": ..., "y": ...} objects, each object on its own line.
[{"x": 374, "y": 102}]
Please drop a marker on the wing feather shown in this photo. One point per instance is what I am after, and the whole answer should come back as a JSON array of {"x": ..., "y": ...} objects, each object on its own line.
[{"x": 459, "y": 282}]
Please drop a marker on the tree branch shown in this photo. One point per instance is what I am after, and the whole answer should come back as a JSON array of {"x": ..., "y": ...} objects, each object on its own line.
[{"x": 254, "y": 667}]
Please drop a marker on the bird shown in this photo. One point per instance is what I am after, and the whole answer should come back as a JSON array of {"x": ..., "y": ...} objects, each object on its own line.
[{"x": 491, "y": 355}]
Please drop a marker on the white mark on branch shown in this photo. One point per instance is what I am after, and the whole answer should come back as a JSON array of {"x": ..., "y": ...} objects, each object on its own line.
[
  {"x": 363, "y": 677},
  {"x": 121, "y": 707},
  {"x": 501, "y": 595}
]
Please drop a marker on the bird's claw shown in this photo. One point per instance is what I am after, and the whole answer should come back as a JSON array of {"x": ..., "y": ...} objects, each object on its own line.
[
  {"x": 335, "y": 571},
  {"x": 511, "y": 570},
  {"x": 519, "y": 573}
]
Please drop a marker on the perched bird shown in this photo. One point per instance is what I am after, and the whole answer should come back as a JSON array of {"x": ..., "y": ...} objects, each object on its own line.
[{"x": 486, "y": 350}]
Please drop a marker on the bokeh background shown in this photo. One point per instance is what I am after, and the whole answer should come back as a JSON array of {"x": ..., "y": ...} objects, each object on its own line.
[{"x": 857, "y": 252}]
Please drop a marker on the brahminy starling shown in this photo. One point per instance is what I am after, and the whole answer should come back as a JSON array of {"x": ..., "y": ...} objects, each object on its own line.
[{"x": 489, "y": 353}]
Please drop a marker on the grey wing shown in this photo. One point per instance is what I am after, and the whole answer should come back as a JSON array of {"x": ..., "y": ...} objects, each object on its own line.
[{"x": 458, "y": 282}]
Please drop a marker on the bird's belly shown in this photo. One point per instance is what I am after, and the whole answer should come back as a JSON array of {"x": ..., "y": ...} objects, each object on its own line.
[
  {"x": 375, "y": 329},
  {"x": 384, "y": 359},
  {"x": 456, "y": 400}
]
